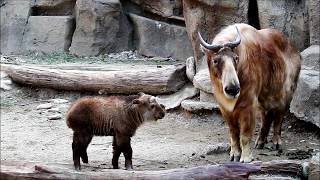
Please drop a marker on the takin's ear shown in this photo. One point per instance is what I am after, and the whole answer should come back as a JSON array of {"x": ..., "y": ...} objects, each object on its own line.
[
  {"x": 203, "y": 49},
  {"x": 136, "y": 101}
]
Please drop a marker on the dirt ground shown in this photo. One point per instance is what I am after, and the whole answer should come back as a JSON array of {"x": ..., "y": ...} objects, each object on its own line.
[
  {"x": 181, "y": 139},
  {"x": 178, "y": 140}
]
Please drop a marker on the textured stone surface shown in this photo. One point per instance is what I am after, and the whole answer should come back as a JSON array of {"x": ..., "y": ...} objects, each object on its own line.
[
  {"x": 290, "y": 17},
  {"x": 198, "y": 106},
  {"x": 53, "y": 7},
  {"x": 164, "y": 8},
  {"x": 155, "y": 38},
  {"x": 101, "y": 28},
  {"x": 209, "y": 16},
  {"x": 202, "y": 81},
  {"x": 190, "y": 68},
  {"x": 306, "y": 100},
  {"x": 174, "y": 100},
  {"x": 48, "y": 34},
  {"x": 311, "y": 57},
  {"x": 14, "y": 18},
  {"x": 314, "y": 21}
]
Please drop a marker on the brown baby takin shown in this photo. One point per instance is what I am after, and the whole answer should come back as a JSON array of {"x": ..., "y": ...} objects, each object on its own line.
[{"x": 117, "y": 116}]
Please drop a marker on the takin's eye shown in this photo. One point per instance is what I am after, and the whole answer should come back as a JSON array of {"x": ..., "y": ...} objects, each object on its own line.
[
  {"x": 152, "y": 106},
  {"x": 215, "y": 61},
  {"x": 236, "y": 59}
]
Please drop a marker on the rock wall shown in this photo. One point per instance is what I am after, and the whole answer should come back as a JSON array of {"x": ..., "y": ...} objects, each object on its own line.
[{"x": 93, "y": 27}]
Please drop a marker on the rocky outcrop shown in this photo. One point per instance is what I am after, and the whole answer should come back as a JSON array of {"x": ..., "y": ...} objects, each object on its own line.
[
  {"x": 48, "y": 34},
  {"x": 156, "y": 38},
  {"x": 14, "y": 18},
  {"x": 306, "y": 101},
  {"x": 53, "y": 7},
  {"x": 101, "y": 27},
  {"x": 290, "y": 17},
  {"x": 164, "y": 8},
  {"x": 311, "y": 57},
  {"x": 209, "y": 16},
  {"x": 314, "y": 21}
]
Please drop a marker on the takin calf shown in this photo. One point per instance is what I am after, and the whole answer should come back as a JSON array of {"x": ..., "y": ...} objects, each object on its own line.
[
  {"x": 117, "y": 116},
  {"x": 253, "y": 72}
]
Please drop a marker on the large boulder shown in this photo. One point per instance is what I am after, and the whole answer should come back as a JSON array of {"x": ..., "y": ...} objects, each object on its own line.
[
  {"x": 156, "y": 38},
  {"x": 53, "y": 7},
  {"x": 14, "y": 17},
  {"x": 209, "y": 16},
  {"x": 101, "y": 27},
  {"x": 289, "y": 17},
  {"x": 306, "y": 100},
  {"x": 164, "y": 8},
  {"x": 48, "y": 34},
  {"x": 311, "y": 57},
  {"x": 314, "y": 21}
]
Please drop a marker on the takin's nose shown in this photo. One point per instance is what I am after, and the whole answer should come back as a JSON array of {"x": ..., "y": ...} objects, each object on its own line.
[
  {"x": 232, "y": 90},
  {"x": 162, "y": 114}
]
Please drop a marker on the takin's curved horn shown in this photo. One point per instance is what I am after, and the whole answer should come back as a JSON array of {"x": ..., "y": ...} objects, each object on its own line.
[
  {"x": 212, "y": 46},
  {"x": 235, "y": 43}
]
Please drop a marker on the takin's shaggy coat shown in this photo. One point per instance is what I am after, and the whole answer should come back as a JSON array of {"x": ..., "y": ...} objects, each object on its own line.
[
  {"x": 117, "y": 116},
  {"x": 254, "y": 74}
]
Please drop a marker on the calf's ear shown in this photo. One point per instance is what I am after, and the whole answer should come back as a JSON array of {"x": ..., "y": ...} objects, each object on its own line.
[{"x": 136, "y": 101}]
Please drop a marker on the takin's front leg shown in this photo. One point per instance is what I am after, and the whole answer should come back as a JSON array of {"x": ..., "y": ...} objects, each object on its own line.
[
  {"x": 122, "y": 144},
  {"x": 234, "y": 142},
  {"x": 247, "y": 126}
]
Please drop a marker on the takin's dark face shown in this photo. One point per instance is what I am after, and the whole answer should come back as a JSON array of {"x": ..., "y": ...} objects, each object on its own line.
[
  {"x": 149, "y": 107},
  {"x": 223, "y": 70}
]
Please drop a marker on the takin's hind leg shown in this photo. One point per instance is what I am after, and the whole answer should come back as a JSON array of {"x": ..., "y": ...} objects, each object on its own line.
[
  {"x": 77, "y": 149},
  {"x": 276, "y": 139},
  {"x": 86, "y": 141},
  {"x": 266, "y": 121},
  {"x": 116, "y": 153}
]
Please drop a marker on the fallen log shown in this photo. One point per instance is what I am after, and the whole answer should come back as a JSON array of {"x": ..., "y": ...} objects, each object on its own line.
[
  {"x": 121, "y": 79},
  {"x": 28, "y": 170}
]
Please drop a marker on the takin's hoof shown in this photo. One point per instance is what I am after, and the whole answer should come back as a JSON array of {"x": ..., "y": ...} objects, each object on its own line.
[
  {"x": 276, "y": 147},
  {"x": 235, "y": 158},
  {"x": 246, "y": 159},
  {"x": 77, "y": 168}
]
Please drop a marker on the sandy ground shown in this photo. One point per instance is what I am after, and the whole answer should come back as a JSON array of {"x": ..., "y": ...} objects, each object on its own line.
[{"x": 178, "y": 140}]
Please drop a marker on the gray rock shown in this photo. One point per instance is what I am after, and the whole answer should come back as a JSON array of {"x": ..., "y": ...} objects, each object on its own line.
[
  {"x": 44, "y": 106},
  {"x": 190, "y": 68},
  {"x": 5, "y": 84},
  {"x": 48, "y": 34},
  {"x": 54, "y": 110},
  {"x": 271, "y": 177},
  {"x": 306, "y": 100},
  {"x": 198, "y": 106},
  {"x": 55, "y": 117},
  {"x": 217, "y": 148},
  {"x": 14, "y": 17},
  {"x": 288, "y": 17},
  {"x": 202, "y": 81},
  {"x": 209, "y": 16},
  {"x": 207, "y": 97},
  {"x": 311, "y": 57},
  {"x": 53, "y": 7},
  {"x": 156, "y": 38},
  {"x": 59, "y": 101},
  {"x": 314, "y": 21},
  {"x": 314, "y": 167},
  {"x": 164, "y": 8},
  {"x": 174, "y": 100},
  {"x": 101, "y": 27}
]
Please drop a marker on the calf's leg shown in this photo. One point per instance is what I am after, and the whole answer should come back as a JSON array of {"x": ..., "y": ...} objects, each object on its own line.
[
  {"x": 264, "y": 130},
  {"x": 123, "y": 144},
  {"x": 86, "y": 141},
  {"x": 276, "y": 139},
  {"x": 116, "y": 153},
  {"x": 78, "y": 147}
]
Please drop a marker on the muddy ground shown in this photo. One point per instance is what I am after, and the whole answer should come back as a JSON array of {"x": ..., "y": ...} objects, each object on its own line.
[{"x": 181, "y": 139}]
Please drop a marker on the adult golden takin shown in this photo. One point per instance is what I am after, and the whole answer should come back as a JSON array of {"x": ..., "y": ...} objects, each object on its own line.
[{"x": 253, "y": 72}]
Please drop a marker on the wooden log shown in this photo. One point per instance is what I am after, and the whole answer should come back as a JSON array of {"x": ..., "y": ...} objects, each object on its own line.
[
  {"x": 125, "y": 79},
  {"x": 23, "y": 170}
]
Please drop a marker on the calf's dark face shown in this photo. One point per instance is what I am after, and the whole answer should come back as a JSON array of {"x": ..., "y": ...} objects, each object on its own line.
[
  {"x": 150, "y": 108},
  {"x": 223, "y": 70}
]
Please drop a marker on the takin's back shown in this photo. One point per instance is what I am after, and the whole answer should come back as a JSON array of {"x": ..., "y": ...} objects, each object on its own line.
[{"x": 94, "y": 112}]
